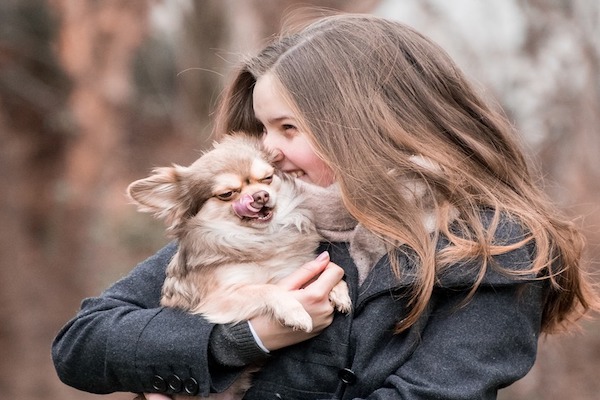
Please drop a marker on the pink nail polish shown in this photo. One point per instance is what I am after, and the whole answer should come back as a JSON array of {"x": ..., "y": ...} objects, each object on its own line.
[{"x": 323, "y": 256}]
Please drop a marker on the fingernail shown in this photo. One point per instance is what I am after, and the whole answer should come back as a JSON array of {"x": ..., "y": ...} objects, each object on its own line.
[{"x": 323, "y": 256}]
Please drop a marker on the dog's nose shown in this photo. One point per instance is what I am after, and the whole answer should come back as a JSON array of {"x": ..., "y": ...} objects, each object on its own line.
[{"x": 261, "y": 197}]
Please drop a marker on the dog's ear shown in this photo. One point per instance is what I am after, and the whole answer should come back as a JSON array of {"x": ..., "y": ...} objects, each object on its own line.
[{"x": 162, "y": 194}]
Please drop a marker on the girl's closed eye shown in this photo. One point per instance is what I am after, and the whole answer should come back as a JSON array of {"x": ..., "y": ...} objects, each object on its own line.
[{"x": 289, "y": 130}]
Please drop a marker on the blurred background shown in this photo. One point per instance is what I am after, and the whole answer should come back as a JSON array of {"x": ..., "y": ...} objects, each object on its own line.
[{"x": 95, "y": 93}]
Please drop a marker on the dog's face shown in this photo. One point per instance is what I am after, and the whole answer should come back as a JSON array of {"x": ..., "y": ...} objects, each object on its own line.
[
  {"x": 235, "y": 181},
  {"x": 241, "y": 186}
]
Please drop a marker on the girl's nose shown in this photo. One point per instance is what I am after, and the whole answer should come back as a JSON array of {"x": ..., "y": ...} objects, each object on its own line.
[
  {"x": 271, "y": 146},
  {"x": 277, "y": 155}
]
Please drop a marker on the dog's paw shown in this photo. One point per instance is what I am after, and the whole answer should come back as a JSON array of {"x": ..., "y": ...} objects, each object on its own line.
[
  {"x": 299, "y": 321},
  {"x": 291, "y": 313},
  {"x": 340, "y": 297}
]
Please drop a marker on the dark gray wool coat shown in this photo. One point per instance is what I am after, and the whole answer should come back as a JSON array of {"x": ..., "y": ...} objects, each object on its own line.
[{"x": 123, "y": 341}]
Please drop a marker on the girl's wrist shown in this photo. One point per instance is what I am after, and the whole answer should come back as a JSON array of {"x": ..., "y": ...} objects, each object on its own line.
[{"x": 257, "y": 338}]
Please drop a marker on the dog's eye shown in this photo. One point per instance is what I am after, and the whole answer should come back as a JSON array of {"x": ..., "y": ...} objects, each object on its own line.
[
  {"x": 225, "y": 196},
  {"x": 267, "y": 179}
]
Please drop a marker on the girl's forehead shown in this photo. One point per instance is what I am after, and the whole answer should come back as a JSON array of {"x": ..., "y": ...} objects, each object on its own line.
[
  {"x": 264, "y": 86},
  {"x": 268, "y": 100}
]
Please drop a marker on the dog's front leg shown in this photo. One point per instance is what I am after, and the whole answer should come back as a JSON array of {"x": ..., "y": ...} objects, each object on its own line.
[
  {"x": 241, "y": 303},
  {"x": 340, "y": 297}
]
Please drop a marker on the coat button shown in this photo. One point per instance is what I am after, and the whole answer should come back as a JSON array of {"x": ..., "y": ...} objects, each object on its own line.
[
  {"x": 190, "y": 386},
  {"x": 347, "y": 376},
  {"x": 174, "y": 383},
  {"x": 159, "y": 384}
]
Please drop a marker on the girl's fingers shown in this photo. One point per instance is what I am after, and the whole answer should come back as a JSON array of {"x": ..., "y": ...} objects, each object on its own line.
[
  {"x": 330, "y": 277},
  {"x": 306, "y": 273}
]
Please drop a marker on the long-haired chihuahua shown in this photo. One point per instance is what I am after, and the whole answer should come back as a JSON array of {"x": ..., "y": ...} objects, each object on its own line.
[{"x": 241, "y": 226}]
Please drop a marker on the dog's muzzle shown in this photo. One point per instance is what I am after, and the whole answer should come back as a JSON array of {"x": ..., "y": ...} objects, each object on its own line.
[{"x": 253, "y": 206}]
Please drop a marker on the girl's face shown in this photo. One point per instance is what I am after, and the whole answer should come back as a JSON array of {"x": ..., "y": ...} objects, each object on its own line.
[{"x": 281, "y": 135}]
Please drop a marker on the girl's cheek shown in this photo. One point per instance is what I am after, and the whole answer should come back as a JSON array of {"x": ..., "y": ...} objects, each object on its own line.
[{"x": 273, "y": 142}]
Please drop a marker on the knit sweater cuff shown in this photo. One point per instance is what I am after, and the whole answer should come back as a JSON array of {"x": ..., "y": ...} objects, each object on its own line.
[{"x": 234, "y": 346}]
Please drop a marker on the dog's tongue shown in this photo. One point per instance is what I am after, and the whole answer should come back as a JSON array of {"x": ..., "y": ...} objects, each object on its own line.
[{"x": 243, "y": 207}]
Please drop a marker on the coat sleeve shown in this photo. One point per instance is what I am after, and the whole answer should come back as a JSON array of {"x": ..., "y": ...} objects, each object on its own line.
[{"x": 123, "y": 340}]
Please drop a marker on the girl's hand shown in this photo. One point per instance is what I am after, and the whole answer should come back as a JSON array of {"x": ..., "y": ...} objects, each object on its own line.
[{"x": 310, "y": 285}]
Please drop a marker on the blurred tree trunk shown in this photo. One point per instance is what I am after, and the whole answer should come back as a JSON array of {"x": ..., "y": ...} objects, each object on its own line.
[
  {"x": 61, "y": 124},
  {"x": 33, "y": 92},
  {"x": 97, "y": 47}
]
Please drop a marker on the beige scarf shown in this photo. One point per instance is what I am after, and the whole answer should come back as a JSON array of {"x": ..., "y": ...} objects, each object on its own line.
[{"x": 335, "y": 224}]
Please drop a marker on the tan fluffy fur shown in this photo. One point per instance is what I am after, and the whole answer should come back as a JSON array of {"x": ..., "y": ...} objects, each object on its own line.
[{"x": 226, "y": 266}]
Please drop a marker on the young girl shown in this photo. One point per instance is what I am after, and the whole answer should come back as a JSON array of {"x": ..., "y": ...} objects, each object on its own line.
[{"x": 455, "y": 260}]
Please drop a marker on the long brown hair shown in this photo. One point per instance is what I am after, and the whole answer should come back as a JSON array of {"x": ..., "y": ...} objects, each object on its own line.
[{"x": 371, "y": 93}]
